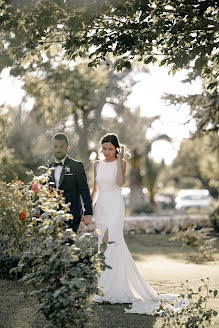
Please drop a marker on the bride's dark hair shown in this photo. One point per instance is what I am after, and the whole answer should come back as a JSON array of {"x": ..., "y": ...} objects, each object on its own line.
[{"x": 111, "y": 137}]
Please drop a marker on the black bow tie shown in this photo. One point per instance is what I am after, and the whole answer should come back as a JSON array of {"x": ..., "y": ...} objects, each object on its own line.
[{"x": 57, "y": 164}]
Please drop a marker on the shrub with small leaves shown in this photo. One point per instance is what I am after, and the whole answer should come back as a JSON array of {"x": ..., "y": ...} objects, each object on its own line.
[
  {"x": 199, "y": 240},
  {"x": 196, "y": 314},
  {"x": 62, "y": 268}
]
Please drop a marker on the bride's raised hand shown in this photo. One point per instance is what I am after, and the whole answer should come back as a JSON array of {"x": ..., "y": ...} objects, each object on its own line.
[{"x": 121, "y": 152}]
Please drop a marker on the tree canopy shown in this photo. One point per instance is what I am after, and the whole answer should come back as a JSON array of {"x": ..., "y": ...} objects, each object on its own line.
[{"x": 178, "y": 33}]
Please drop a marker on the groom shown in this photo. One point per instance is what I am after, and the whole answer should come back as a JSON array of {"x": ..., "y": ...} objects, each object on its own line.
[{"x": 69, "y": 175}]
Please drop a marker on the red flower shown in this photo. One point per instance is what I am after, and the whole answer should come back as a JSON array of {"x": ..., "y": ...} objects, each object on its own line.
[
  {"x": 35, "y": 187},
  {"x": 22, "y": 216},
  {"x": 161, "y": 306}
]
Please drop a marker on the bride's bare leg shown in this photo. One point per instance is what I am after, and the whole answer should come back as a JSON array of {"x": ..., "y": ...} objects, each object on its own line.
[{"x": 105, "y": 237}]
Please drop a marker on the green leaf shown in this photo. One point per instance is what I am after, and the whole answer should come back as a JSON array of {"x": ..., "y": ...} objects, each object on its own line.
[
  {"x": 215, "y": 292},
  {"x": 212, "y": 86},
  {"x": 27, "y": 59},
  {"x": 54, "y": 49},
  {"x": 128, "y": 65},
  {"x": 163, "y": 62},
  {"x": 148, "y": 60},
  {"x": 57, "y": 293},
  {"x": 53, "y": 257},
  {"x": 75, "y": 258}
]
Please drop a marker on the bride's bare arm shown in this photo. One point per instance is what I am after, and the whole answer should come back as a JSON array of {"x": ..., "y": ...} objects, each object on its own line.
[
  {"x": 95, "y": 188},
  {"x": 120, "y": 177}
]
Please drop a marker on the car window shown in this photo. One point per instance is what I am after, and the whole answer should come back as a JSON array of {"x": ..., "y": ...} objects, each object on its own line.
[{"x": 195, "y": 197}]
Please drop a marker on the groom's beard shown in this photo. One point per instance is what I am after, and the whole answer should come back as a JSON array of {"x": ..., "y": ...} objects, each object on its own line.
[{"x": 59, "y": 156}]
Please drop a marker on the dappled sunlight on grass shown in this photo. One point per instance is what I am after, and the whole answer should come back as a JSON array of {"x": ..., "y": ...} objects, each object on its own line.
[{"x": 145, "y": 246}]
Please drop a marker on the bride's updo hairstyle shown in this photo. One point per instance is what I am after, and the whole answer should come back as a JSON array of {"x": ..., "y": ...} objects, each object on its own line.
[{"x": 111, "y": 137}]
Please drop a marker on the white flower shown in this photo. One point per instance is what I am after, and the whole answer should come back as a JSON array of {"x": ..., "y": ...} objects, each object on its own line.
[{"x": 67, "y": 169}]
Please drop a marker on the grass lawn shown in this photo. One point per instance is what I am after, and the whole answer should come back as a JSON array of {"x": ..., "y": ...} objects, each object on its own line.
[{"x": 163, "y": 264}]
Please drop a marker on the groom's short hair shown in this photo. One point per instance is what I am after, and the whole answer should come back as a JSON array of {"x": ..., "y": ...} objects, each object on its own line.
[{"x": 61, "y": 136}]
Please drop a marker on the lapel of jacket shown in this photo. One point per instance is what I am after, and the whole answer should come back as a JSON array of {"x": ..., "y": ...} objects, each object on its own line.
[
  {"x": 63, "y": 172},
  {"x": 52, "y": 176}
]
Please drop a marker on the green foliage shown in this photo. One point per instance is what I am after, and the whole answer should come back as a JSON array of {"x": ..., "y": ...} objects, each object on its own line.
[
  {"x": 196, "y": 314},
  {"x": 130, "y": 127},
  {"x": 180, "y": 33},
  {"x": 62, "y": 268},
  {"x": 66, "y": 98},
  {"x": 28, "y": 139},
  {"x": 204, "y": 110},
  {"x": 16, "y": 202},
  {"x": 74, "y": 102},
  {"x": 20, "y": 150},
  {"x": 8, "y": 160},
  {"x": 214, "y": 216},
  {"x": 196, "y": 165},
  {"x": 199, "y": 240},
  {"x": 84, "y": 92},
  {"x": 36, "y": 244}
]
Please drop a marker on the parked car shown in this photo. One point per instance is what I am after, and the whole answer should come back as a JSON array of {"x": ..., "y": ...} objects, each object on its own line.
[
  {"x": 187, "y": 198},
  {"x": 165, "y": 201}
]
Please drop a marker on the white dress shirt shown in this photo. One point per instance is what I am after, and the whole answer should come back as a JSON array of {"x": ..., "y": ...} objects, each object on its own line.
[{"x": 58, "y": 171}]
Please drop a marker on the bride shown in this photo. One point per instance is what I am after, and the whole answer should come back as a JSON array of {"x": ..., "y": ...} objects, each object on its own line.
[{"x": 122, "y": 283}]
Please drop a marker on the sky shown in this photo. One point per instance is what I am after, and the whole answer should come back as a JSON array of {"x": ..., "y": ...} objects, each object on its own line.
[{"x": 146, "y": 94}]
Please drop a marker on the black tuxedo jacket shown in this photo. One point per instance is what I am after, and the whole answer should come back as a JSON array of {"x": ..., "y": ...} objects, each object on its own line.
[{"x": 73, "y": 181}]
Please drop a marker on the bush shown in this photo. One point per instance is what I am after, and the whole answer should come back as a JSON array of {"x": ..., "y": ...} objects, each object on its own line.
[
  {"x": 194, "y": 315},
  {"x": 199, "y": 240},
  {"x": 36, "y": 244},
  {"x": 16, "y": 203},
  {"x": 62, "y": 268},
  {"x": 214, "y": 217}
]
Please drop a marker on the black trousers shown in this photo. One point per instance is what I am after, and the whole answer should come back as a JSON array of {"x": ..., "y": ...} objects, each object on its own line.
[{"x": 74, "y": 224}]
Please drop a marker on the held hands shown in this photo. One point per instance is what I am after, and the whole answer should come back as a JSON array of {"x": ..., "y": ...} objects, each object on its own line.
[
  {"x": 86, "y": 219},
  {"x": 121, "y": 152}
]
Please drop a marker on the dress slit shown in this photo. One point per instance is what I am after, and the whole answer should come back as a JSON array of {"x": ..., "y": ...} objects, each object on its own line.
[{"x": 106, "y": 235}]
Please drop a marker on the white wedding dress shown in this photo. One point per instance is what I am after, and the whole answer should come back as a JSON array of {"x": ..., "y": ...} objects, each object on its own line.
[{"x": 123, "y": 283}]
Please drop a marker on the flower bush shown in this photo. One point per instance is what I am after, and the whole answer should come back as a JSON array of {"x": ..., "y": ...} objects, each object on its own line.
[
  {"x": 36, "y": 244},
  {"x": 16, "y": 205},
  {"x": 196, "y": 314},
  {"x": 62, "y": 268}
]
